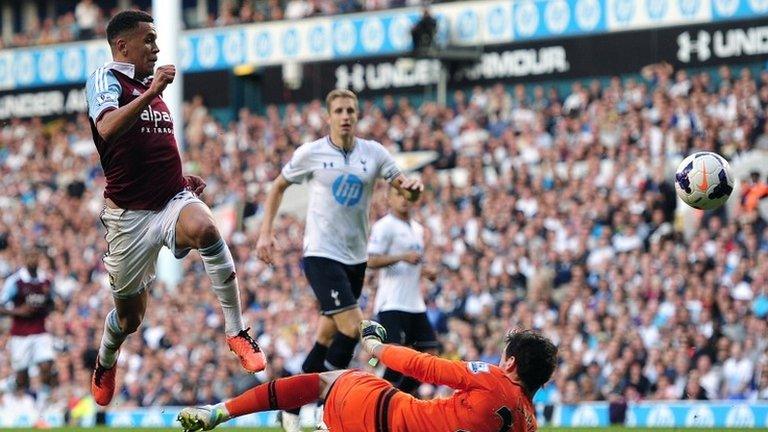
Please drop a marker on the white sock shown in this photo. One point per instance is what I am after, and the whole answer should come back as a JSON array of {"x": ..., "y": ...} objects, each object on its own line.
[
  {"x": 223, "y": 407},
  {"x": 43, "y": 393},
  {"x": 220, "y": 267},
  {"x": 111, "y": 340}
]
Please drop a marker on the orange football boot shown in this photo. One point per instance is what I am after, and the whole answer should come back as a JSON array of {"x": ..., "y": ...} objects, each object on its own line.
[
  {"x": 103, "y": 383},
  {"x": 247, "y": 350}
]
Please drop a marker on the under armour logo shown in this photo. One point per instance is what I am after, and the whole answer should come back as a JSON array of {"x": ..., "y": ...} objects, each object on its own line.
[
  {"x": 687, "y": 46},
  {"x": 327, "y": 164},
  {"x": 335, "y": 296}
]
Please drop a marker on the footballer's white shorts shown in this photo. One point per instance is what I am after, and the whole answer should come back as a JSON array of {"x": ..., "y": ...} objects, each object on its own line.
[
  {"x": 134, "y": 238},
  {"x": 27, "y": 351}
]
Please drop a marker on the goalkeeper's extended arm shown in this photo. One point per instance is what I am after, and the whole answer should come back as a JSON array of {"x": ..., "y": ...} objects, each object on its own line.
[
  {"x": 373, "y": 335},
  {"x": 423, "y": 367}
]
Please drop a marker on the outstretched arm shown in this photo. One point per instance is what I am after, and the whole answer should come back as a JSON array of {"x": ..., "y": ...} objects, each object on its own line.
[
  {"x": 410, "y": 188},
  {"x": 424, "y": 367},
  {"x": 265, "y": 243}
]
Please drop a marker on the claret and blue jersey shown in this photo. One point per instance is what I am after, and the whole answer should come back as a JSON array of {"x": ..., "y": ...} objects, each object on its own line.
[{"x": 142, "y": 166}]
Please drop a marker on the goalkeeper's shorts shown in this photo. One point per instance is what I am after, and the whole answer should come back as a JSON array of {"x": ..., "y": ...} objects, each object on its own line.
[{"x": 360, "y": 402}]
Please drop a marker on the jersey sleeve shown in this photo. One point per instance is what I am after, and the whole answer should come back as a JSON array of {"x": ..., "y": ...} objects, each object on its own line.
[
  {"x": 299, "y": 167},
  {"x": 9, "y": 290},
  {"x": 427, "y": 368},
  {"x": 388, "y": 169},
  {"x": 381, "y": 239},
  {"x": 102, "y": 92}
]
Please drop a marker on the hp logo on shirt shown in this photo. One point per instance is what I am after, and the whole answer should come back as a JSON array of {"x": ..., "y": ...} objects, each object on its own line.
[{"x": 347, "y": 189}]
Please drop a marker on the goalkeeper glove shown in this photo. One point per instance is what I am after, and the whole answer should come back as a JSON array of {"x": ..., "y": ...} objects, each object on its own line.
[
  {"x": 372, "y": 329},
  {"x": 372, "y": 334}
]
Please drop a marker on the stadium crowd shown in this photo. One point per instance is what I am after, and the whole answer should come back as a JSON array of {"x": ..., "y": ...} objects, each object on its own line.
[
  {"x": 88, "y": 19},
  {"x": 550, "y": 211}
]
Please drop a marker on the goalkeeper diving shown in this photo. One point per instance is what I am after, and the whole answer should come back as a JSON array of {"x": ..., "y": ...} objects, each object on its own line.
[{"x": 487, "y": 398}]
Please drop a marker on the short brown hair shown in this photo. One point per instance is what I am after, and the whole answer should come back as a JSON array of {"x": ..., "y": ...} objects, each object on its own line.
[
  {"x": 339, "y": 93},
  {"x": 535, "y": 355}
]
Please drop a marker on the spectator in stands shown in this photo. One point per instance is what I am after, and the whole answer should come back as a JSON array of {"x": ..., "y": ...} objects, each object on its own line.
[
  {"x": 297, "y": 9},
  {"x": 87, "y": 14},
  {"x": 752, "y": 192},
  {"x": 693, "y": 389},
  {"x": 86, "y": 22},
  {"x": 737, "y": 373},
  {"x": 709, "y": 377}
]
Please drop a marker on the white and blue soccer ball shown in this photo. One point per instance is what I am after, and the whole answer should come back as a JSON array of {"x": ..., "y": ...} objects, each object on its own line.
[{"x": 704, "y": 180}]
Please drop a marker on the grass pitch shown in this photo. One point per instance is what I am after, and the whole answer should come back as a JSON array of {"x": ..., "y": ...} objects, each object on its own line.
[{"x": 543, "y": 429}]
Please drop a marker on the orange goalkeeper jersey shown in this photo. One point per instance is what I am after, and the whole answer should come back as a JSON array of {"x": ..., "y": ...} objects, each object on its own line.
[{"x": 486, "y": 400}]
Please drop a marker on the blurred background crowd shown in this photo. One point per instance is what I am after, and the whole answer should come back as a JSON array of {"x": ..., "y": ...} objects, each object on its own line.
[
  {"x": 71, "y": 20},
  {"x": 544, "y": 210}
]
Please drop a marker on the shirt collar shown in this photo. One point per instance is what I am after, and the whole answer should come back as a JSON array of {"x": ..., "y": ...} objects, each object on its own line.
[
  {"x": 126, "y": 69},
  {"x": 24, "y": 275},
  {"x": 27, "y": 278},
  {"x": 334, "y": 146}
]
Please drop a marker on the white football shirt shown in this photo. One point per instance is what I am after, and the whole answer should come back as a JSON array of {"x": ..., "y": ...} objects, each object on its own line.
[
  {"x": 398, "y": 283},
  {"x": 340, "y": 189}
]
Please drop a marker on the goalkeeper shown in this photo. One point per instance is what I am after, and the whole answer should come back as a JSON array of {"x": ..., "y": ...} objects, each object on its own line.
[{"x": 488, "y": 397}]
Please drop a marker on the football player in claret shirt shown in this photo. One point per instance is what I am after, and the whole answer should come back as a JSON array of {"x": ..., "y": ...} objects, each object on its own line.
[
  {"x": 149, "y": 202},
  {"x": 29, "y": 295},
  {"x": 488, "y": 398}
]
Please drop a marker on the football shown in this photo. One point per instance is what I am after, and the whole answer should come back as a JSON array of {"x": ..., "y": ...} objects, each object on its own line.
[{"x": 704, "y": 180}]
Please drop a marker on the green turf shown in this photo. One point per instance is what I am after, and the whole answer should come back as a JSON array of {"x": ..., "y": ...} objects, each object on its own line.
[{"x": 544, "y": 429}]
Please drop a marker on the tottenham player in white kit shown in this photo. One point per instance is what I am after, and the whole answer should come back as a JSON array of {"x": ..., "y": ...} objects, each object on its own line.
[
  {"x": 341, "y": 170},
  {"x": 397, "y": 247}
]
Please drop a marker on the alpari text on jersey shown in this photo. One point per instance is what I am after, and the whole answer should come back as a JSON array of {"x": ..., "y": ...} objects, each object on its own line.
[{"x": 156, "y": 122}]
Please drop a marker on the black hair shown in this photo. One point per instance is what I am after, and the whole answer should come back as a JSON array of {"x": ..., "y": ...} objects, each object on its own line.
[
  {"x": 125, "y": 21},
  {"x": 535, "y": 356}
]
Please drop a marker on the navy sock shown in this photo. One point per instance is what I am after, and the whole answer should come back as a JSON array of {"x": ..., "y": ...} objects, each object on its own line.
[
  {"x": 315, "y": 359},
  {"x": 340, "y": 352}
]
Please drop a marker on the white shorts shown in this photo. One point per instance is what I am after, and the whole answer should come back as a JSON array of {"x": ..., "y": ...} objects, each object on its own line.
[
  {"x": 134, "y": 238},
  {"x": 27, "y": 351}
]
